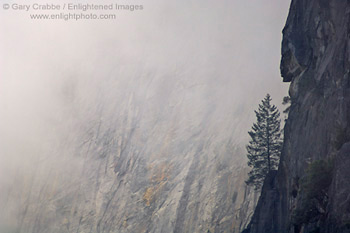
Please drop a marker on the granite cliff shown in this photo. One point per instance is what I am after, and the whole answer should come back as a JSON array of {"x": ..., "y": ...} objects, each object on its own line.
[
  {"x": 133, "y": 164},
  {"x": 136, "y": 124},
  {"x": 310, "y": 192}
]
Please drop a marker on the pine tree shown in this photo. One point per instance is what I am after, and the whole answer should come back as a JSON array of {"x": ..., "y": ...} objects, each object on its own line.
[{"x": 264, "y": 148}]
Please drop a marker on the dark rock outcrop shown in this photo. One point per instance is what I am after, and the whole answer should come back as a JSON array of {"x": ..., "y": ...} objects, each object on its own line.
[{"x": 316, "y": 60}]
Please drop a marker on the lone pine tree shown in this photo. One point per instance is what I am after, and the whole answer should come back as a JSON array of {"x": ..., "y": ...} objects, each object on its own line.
[{"x": 264, "y": 147}]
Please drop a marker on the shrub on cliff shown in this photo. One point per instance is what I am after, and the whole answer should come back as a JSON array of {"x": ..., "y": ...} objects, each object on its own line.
[{"x": 313, "y": 190}]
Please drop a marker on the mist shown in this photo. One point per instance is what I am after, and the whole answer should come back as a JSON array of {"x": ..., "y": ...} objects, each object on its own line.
[{"x": 150, "y": 87}]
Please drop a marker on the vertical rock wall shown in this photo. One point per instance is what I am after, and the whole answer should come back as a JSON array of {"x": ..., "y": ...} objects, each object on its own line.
[{"x": 316, "y": 62}]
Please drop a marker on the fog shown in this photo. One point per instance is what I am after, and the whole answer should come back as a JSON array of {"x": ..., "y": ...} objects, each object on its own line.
[{"x": 171, "y": 70}]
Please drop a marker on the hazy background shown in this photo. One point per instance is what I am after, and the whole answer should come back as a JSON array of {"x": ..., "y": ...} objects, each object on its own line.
[
  {"x": 193, "y": 64},
  {"x": 231, "y": 48}
]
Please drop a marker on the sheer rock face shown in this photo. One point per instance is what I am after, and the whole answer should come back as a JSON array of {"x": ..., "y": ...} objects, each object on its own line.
[
  {"x": 133, "y": 164},
  {"x": 316, "y": 60}
]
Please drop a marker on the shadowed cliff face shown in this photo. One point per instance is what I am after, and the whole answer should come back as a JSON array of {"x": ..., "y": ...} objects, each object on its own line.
[{"x": 315, "y": 60}]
